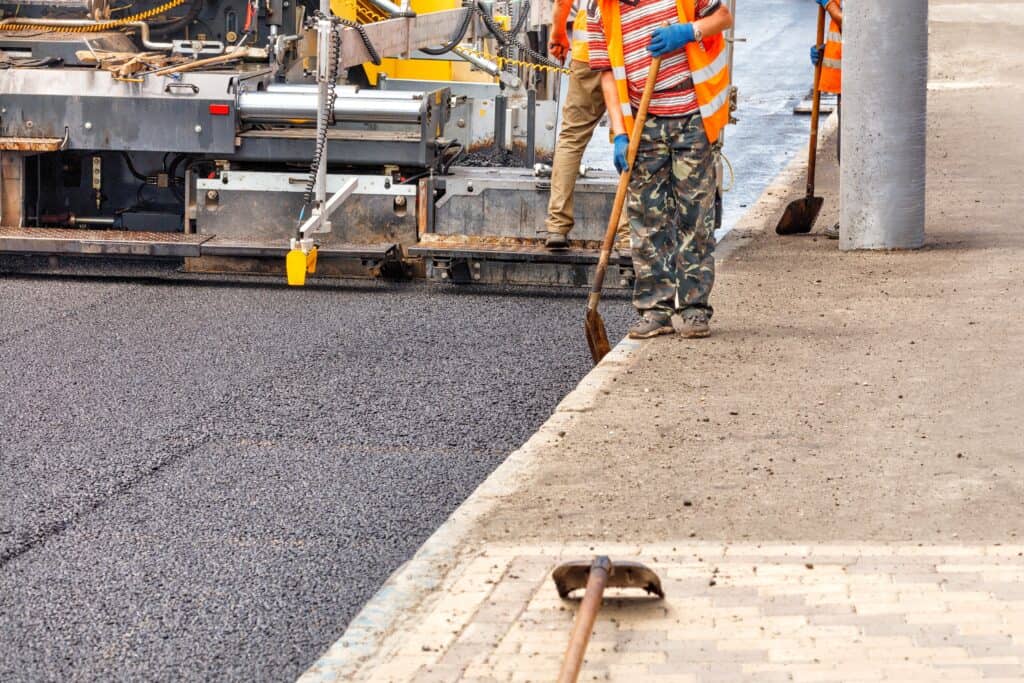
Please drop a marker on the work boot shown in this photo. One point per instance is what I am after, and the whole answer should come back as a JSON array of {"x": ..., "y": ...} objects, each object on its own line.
[
  {"x": 557, "y": 241},
  {"x": 650, "y": 325},
  {"x": 691, "y": 323},
  {"x": 832, "y": 233}
]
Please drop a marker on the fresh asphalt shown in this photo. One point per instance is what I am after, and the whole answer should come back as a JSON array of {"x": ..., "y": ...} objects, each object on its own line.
[{"x": 206, "y": 481}]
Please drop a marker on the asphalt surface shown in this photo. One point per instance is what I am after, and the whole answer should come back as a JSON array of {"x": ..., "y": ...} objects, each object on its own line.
[{"x": 207, "y": 482}]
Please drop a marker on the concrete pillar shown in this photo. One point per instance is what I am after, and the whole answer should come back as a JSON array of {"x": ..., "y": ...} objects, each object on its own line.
[{"x": 885, "y": 80}]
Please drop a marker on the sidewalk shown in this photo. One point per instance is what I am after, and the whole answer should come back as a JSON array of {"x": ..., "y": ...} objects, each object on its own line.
[{"x": 829, "y": 487}]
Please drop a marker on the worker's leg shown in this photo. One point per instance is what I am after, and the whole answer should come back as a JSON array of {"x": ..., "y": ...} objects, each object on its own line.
[
  {"x": 694, "y": 180},
  {"x": 584, "y": 107},
  {"x": 651, "y": 209}
]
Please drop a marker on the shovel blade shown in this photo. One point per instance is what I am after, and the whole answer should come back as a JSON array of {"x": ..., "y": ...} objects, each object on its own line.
[
  {"x": 800, "y": 216},
  {"x": 597, "y": 335},
  {"x": 570, "y": 576}
]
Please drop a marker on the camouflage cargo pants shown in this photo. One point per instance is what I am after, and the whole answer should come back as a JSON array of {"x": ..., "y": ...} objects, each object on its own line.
[{"x": 671, "y": 208}]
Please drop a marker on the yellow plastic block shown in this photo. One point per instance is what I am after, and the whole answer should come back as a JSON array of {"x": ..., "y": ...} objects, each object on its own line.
[{"x": 295, "y": 266}]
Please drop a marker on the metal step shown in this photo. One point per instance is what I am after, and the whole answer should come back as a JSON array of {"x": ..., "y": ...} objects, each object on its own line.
[
  {"x": 75, "y": 241},
  {"x": 99, "y": 242},
  {"x": 230, "y": 246},
  {"x": 526, "y": 253}
]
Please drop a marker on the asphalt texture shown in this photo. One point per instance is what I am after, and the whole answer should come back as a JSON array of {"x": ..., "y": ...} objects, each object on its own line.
[{"x": 208, "y": 481}]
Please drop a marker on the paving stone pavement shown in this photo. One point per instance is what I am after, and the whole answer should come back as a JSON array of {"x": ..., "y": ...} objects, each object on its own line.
[{"x": 732, "y": 612}]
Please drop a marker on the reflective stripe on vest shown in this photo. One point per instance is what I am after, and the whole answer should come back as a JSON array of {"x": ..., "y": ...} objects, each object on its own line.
[
  {"x": 580, "y": 49},
  {"x": 832, "y": 62},
  {"x": 708, "y": 60}
]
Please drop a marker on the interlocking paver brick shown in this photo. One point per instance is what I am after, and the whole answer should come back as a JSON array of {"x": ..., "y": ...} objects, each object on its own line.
[{"x": 881, "y": 611}]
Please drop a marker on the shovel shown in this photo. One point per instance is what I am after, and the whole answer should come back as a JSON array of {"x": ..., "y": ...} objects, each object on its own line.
[
  {"x": 801, "y": 213},
  {"x": 597, "y": 335},
  {"x": 595, "y": 577}
]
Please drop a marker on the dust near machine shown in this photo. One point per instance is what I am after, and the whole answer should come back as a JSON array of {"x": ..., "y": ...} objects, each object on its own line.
[{"x": 345, "y": 138}]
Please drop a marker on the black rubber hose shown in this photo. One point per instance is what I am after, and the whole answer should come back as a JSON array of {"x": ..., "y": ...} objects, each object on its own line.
[
  {"x": 524, "y": 11},
  {"x": 460, "y": 33},
  {"x": 162, "y": 28},
  {"x": 131, "y": 167}
]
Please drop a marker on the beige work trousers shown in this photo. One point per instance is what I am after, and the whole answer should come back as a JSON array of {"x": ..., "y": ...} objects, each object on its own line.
[{"x": 584, "y": 107}]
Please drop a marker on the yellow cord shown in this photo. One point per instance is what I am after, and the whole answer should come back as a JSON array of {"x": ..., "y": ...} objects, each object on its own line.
[
  {"x": 105, "y": 26},
  {"x": 503, "y": 61},
  {"x": 732, "y": 174}
]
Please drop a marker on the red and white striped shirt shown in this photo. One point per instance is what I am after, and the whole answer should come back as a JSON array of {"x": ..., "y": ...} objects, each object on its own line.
[{"x": 673, "y": 93}]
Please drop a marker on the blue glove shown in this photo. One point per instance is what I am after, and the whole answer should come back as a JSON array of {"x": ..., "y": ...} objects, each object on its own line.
[
  {"x": 670, "y": 38},
  {"x": 621, "y": 149},
  {"x": 817, "y": 52}
]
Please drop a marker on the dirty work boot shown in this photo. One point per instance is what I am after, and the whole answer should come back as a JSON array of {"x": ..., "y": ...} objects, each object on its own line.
[
  {"x": 832, "y": 233},
  {"x": 650, "y": 325},
  {"x": 691, "y": 323},
  {"x": 557, "y": 241}
]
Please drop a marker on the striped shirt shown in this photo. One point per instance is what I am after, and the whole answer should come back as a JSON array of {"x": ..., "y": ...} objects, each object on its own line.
[{"x": 673, "y": 93}]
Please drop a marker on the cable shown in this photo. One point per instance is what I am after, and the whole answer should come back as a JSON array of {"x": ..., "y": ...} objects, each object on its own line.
[
  {"x": 506, "y": 38},
  {"x": 371, "y": 50},
  {"x": 105, "y": 26},
  {"x": 732, "y": 174},
  {"x": 457, "y": 37},
  {"x": 320, "y": 149},
  {"x": 132, "y": 169}
]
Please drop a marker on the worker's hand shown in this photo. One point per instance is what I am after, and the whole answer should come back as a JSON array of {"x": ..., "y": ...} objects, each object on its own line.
[
  {"x": 558, "y": 46},
  {"x": 670, "y": 38},
  {"x": 621, "y": 152},
  {"x": 817, "y": 53}
]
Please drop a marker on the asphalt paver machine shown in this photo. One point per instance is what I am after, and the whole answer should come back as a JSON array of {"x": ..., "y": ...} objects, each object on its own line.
[{"x": 358, "y": 137}]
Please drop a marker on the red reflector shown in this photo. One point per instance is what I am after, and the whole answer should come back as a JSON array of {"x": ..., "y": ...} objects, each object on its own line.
[{"x": 220, "y": 109}]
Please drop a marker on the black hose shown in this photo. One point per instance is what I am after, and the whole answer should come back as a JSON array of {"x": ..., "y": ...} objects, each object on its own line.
[
  {"x": 524, "y": 11},
  {"x": 508, "y": 39},
  {"x": 162, "y": 28},
  {"x": 132, "y": 169},
  {"x": 460, "y": 33}
]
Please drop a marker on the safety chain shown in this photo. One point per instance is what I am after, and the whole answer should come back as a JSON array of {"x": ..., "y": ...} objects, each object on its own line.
[{"x": 503, "y": 61}]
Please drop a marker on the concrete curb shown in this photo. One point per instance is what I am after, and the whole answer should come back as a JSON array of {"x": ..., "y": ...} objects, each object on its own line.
[{"x": 412, "y": 582}]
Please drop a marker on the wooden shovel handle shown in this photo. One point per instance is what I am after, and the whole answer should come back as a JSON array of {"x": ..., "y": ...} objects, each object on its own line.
[
  {"x": 812, "y": 154},
  {"x": 620, "y": 193}
]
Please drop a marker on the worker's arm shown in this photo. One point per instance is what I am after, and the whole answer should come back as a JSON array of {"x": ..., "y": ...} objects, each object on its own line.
[
  {"x": 558, "y": 46},
  {"x": 834, "y": 9},
  {"x": 717, "y": 22},
  {"x": 675, "y": 37},
  {"x": 611, "y": 102}
]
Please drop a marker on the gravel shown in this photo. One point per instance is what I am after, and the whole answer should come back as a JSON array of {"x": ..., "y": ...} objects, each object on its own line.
[{"x": 207, "y": 482}]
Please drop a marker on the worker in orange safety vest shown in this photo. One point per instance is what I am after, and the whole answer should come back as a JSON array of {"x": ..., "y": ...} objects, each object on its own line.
[{"x": 830, "y": 55}]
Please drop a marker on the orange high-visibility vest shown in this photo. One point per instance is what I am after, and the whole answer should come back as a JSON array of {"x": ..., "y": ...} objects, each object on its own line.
[
  {"x": 709, "y": 67},
  {"x": 832, "y": 62},
  {"x": 580, "y": 49}
]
